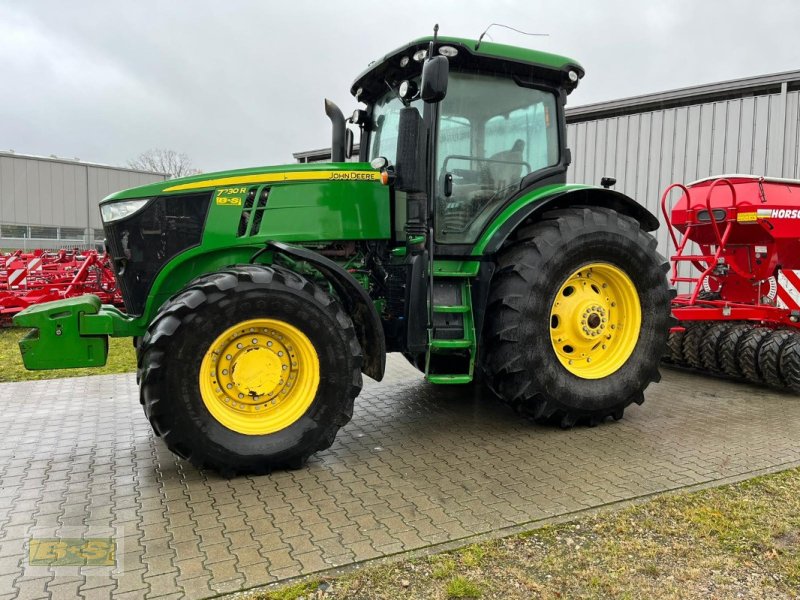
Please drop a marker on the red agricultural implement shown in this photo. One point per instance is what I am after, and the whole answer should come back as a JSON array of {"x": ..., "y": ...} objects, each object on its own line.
[
  {"x": 42, "y": 276},
  {"x": 737, "y": 241}
]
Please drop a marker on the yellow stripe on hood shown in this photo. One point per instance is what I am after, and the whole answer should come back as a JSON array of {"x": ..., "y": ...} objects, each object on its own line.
[{"x": 279, "y": 178}]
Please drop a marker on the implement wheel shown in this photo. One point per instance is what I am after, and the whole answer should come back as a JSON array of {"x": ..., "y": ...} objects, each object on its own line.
[
  {"x": 578, "y": 317},
  {"x": 789, "y": 363},
  {"x": 710, "y": 346},
  {"x": 692, "y": 341},
  {"x": 749, "y": 347},
  {"x": 675, "y": 348},
  {"x": 249, "y": 369},
  {"x": 729, "y": 349},
  {"x": 769, "y": 356}
]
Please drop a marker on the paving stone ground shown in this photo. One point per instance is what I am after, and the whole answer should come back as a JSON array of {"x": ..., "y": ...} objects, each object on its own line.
[{"x": 418, "y": 465}]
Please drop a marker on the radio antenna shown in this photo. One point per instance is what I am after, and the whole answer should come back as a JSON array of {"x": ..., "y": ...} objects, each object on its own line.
[{"x": 485, "y": 31}]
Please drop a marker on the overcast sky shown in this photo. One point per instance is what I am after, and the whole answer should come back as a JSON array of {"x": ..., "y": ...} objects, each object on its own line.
[{"x": 239, "y": 83}]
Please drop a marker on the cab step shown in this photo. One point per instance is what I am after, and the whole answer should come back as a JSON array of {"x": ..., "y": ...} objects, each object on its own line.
[
  {"x": 456, "y": 349},
  {"x": 457, "y": 308},
  {"x": 451, "y": 344},
  {"x": 450, "y": 379}
]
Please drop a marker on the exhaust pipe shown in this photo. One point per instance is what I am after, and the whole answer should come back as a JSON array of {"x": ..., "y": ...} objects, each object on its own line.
[{"x": 337, "y": 137}]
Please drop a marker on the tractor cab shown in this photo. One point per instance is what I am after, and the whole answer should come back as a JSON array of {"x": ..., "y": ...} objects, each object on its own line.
[{"x": 495, "y": 127}]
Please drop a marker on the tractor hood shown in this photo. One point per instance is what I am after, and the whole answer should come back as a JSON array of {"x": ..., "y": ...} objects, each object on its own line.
[
  {"x": 252, "y": 176},
  {"x": 230, "y": 214}
]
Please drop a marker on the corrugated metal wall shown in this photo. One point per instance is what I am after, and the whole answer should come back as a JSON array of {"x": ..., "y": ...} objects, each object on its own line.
[
  {"x": 51, "y": 192},
  {"x": 647, "y": 151}
]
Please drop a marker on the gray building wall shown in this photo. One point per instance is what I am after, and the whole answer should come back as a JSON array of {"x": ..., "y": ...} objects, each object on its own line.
[
  {"x": 52, "y": 202},
  {"x": 749, "y": 126}
]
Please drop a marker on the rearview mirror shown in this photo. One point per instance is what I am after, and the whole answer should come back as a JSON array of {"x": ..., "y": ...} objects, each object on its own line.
[
  {"x": 349, "y": 143},
  {"x": 434, "y": 79},
  {"x": 412, "y": 136}
]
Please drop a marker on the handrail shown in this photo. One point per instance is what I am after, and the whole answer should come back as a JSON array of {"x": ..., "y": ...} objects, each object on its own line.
[
  {"x": 666, "y": 214},
  {"x": 711, "y": 216}
]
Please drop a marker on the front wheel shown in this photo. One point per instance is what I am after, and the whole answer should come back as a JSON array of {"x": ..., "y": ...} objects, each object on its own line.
[
  {"x": 249, "y": 369},
  {"x": 578, "y": 317}
]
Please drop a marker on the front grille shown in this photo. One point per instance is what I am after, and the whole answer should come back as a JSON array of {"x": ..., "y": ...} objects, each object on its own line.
[{"x": 144, "y": 242}]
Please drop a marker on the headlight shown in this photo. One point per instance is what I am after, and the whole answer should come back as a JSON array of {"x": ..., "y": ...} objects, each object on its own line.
[
  {"x": 114, "y": 211},
  {"x": 408, "y": 89}
]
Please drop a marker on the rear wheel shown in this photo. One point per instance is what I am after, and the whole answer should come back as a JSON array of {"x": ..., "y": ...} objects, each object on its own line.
[
  {"x": 578, "y": 317},
  {"x": 249, "y": 369}
]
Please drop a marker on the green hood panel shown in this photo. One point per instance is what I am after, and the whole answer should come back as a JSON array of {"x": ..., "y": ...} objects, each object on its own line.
[{"x": 253, "y": 176}]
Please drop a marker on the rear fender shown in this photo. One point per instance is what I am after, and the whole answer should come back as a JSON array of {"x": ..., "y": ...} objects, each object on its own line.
[{"x": 571, "y": 198}]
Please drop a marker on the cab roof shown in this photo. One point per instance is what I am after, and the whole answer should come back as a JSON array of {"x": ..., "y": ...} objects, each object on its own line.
[{"x": 489, "y": 56}]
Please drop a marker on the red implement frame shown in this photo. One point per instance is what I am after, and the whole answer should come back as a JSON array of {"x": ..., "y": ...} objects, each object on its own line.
[
  {"x": 716, "y": 258},
  {"x": 42, "y": 276}
]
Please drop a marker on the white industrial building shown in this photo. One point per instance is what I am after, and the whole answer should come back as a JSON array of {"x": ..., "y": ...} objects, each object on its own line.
[{"x": 49, "y": 202}]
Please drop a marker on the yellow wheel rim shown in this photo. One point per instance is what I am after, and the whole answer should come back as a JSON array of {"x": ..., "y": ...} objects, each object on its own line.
[
  {"x": 259, "y": 376},
  {"x": 595, "y": 321}
]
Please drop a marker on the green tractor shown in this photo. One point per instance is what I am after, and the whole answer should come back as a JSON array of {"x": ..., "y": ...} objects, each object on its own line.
[{"x": 257, "y": 298}]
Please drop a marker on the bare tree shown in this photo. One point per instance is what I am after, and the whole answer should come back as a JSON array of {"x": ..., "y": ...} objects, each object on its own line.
[{"x": 166, "y": 161}]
